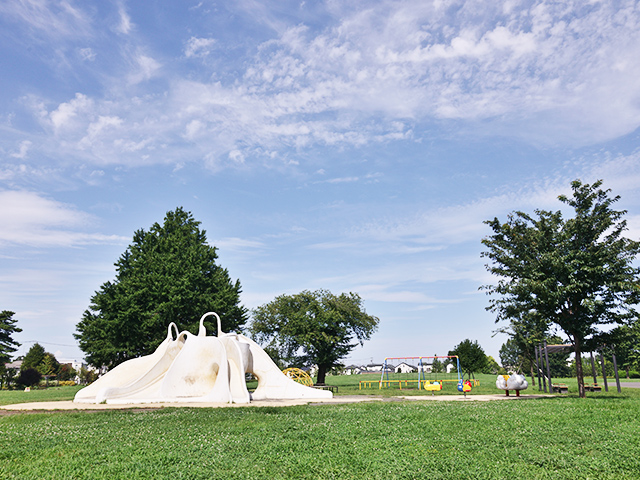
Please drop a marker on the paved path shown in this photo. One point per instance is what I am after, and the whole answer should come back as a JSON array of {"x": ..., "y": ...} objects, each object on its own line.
[
  {"x": 626, "y": 384},
  {"x": 343, "y": 399}
]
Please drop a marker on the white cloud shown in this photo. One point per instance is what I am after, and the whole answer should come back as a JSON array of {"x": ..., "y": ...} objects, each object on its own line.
[
  {"x": 95, "y": 129},
  {"x": 30, "y": 219},
  {"x": 66, "y": 112},
  {"x": 549, "y": 73},
  {"x": 145, "y": 68},
  {"x": 342, "y": 180},
  {"x": 48, "y": 19},
  {"x": 87, "y": 54},
  {"x": 125, "y": 24},
  {"x": 236, "y": 244},
  {"x": 198, "y": 47},
  {"x": 22, "y": 152}
]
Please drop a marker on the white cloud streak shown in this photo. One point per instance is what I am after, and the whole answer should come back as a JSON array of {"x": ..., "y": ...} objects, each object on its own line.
[
  {"x": 48, "y": 19},
  {"x": 29, "y": 219}
]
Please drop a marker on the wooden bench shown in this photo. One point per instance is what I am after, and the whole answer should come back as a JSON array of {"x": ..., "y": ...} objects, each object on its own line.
[
  {"x": 594, "y": 387},
  {"x": 333, "y": 388},
  {"x": 559, "y": 388}
]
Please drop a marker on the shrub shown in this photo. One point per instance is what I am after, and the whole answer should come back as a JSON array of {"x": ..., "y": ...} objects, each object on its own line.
[{"x": 29, "y": 377}]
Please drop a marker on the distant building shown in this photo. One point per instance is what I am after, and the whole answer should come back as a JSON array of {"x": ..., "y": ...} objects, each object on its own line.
[
  {"x": 354, "y": 370},
  {"x": 15, "y": 365},
  {"x": 405, "y": 368}
]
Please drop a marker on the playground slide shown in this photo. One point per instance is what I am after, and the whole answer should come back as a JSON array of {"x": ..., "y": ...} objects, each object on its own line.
[
  {"x": 197, "y": 369},
  {"x": 135, "y": 374},
  {"x": 272, "y": 383}
]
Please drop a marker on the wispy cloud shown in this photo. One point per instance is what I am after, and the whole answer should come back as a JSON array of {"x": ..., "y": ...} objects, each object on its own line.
[
  {"x": 549, "y": 73},
  {"x": 22, "y": 151},
  {"x": 30, "y": 219},
  {"x": 48, "y": 19},
  {"x": 198, "y": 47},
  {"x": 125, "y": 25}
]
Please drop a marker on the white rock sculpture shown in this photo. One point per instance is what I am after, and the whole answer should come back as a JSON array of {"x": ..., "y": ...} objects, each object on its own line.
[{"x": 197, "y": 368}]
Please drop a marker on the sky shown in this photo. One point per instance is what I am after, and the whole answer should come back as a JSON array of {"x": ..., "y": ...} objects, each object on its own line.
[{"x": 349, "y": 146}]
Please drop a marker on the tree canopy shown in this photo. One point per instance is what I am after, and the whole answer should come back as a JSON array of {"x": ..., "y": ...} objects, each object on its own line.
[
  {"x": 7, "y": 328},
  {"x": 471, "y": 355},
  {"x": 34, "y": 357},
  {"x": 624, "y": 342},
  {"x": 575, "y": 273},
  {"x": 313, "y": 328},
  {"x": 167, "y": 274}
]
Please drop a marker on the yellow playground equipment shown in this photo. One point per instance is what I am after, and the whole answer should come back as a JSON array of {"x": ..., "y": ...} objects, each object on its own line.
[
  {"x": 412, "y": 372},
  {"x": 299, "y": 376},
  {"x": 435, "y": 386}
]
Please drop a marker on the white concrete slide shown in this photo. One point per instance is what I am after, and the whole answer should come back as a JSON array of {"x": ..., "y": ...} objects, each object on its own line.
[{"x": 197, "y": 368}]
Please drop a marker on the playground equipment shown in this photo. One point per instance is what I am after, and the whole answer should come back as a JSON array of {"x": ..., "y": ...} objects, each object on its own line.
[
  {"x": 428, "y": 373},
  {"x": 512, "y": 382},
  {"x": 197, "y": 368},
  {"x": 464, "y": 387},
  {"x": 299, "y": 376},
  {"x": 543, "y": 369}
]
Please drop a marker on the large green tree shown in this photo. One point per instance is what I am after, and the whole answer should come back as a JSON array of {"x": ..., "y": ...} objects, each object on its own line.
[
  {"x": 167, "y": 274},
  {"x": 313, "y": 328},
  {"x": 7, "y": 328},
  {"x": 576, "y": 273},
  {"x": 471, "y": 355},
  {"x": 34, "y": 357}
]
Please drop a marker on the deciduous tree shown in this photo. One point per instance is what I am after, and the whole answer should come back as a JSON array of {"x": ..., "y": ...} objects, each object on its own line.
[
  {"x": 34, "y": 357},
  {"x": 313, "y": 328},
  {"x": 49, "y": 365},
  {"x": 167, "y": 274},
  {"x": 471, "y": 355},
  {"x": 576, "y": 273}
]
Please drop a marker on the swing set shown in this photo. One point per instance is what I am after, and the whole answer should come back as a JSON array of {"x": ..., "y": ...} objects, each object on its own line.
[{"x": 428, "y": 373}]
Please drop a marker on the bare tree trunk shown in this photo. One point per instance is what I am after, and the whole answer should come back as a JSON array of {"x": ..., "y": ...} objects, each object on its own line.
[
  {"x": 579, "y": 373},
  {"x": 533, "y": 375}
]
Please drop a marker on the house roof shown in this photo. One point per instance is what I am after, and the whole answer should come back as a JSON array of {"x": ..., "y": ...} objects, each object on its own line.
[{"x": 15, "y": 364}]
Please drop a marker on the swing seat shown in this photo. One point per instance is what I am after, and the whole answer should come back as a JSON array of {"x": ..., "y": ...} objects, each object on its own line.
[
  {"x": 464, "y": 387},
  {"x": 432, "y": 387}
]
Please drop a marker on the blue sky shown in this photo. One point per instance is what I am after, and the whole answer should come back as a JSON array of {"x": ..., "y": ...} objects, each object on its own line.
[{"x": 350, "y": 146}]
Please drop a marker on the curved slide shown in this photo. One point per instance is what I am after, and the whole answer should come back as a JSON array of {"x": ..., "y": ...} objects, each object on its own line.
[{"x": 197, "y": 369}]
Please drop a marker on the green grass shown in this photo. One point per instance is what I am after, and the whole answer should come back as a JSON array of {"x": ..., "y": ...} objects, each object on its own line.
[
  {"x": 50, "y": 394},
  {"x": 558, "y": 438},
  {"x": 349, "y": 385}
]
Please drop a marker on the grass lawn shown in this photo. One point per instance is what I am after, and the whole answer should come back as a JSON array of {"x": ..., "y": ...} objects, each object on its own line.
[
  {"x": 51, "y": 394},
  {"x": 560, "y": 437},
  {"x": 350, "y": 385}
]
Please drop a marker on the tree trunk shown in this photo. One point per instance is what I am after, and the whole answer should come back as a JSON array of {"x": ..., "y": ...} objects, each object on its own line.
[
  {"x": 579, "y": 373},
  {"x": 322, "y": 374},
  {"x": 533, "y": 375}
]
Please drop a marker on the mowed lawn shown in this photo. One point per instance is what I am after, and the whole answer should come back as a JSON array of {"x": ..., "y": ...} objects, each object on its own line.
[{"x": 562, "y": 437}]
